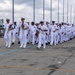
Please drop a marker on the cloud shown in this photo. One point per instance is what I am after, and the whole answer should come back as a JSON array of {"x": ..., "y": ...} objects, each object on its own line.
[
  {"x": 23, "y": 2},
  {"x": 24, "y": 8},
  {"x": 29, "y": 3},
  {"x": 1, "y": 1}
]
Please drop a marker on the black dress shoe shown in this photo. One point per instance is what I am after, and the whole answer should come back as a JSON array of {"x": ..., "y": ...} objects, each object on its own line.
[
  {"x": 28, "y": 43},
  {"x": 42, "y": 44},
  {"x": 36, "y": 43},
  {"x": 18, "y": 42},
  {"x": 70, "y": 38},
  {"x": 48, "y": 42},
  {"x": 13, "y": 43}
]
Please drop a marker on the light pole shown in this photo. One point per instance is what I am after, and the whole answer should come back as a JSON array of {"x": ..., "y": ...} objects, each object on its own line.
[
  {"x": 51, "y": 11},
  {"x": 43, "y": 9},
  {"x": 58, "y": 11},
  {"x": 67, "y": 10},
  {"x": 63, "y": 10},
  {"x": 12, "y": 10},
  {"x": 74, "y": 16},
  {"x": 34, "y": 10},
  {"x": 71, "y": 14}
]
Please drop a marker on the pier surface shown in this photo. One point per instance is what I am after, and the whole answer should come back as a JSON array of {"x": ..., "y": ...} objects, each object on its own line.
[{"x": 54, "y": 60}]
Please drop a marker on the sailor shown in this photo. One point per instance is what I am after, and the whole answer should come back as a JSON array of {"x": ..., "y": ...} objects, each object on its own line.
[
  {"x": 23, "y": 30},
  {"x": 53, "y": 33},
  {"x": 15, "y": 33},
  {"x": 60, "y": 34},
  {"x": 65, "y": 31},
  {"x": 32, "y": 32},
  {"x": 28, "y": 35},
  {"x": 7, "y": 32},
  {"x": 69, "y": 31},
  {"x": 47, "y": 33},
  {"x": 72, "y": 30},
  {"x": 37, "y": 33},
  {"x": 57, "y": 33},
  {"x": 42, "y": 34}
]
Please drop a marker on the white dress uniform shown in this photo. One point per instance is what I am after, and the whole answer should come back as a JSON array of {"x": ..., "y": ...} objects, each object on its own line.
[
  {"x": 29, "y": 38},
  {"x": 23, "y": 35},
  {"x": 57, "y": 35},
  {"x": 49, "y": 39},
  {"x": 65, "y": 33},
  {"x": 68, "y": 32},
  {"x": 15, "y": 33},
  {"x": 7, "y": 35},
  {"x": 42, "y": 35},
  {"x": 32, "y": 33},
  {"x": 73, "y": 31},
  {"x": 61, "y": 34},
  {"x": 47, "y": 34},
  {"x": 53, "y": 34}
]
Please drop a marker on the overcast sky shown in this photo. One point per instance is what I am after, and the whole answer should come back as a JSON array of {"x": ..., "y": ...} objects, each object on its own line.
[{"x": 24, "y": 8}]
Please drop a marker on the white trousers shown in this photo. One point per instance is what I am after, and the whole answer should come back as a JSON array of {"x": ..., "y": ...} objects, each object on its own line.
[
  {"x": 7, "y": 37},
  {"x": 53, "y": 38},
  {"x": 41, "y": 41},
  {"x": 23, "y": 38},
  {"x": 33, "y": 38},
  {"x": 13, "y": 36},
  {"x": 61, "y": 38}
]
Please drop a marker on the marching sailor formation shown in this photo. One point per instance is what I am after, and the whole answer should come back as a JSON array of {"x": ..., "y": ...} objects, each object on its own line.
[{"x": 43, "y": 33}]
